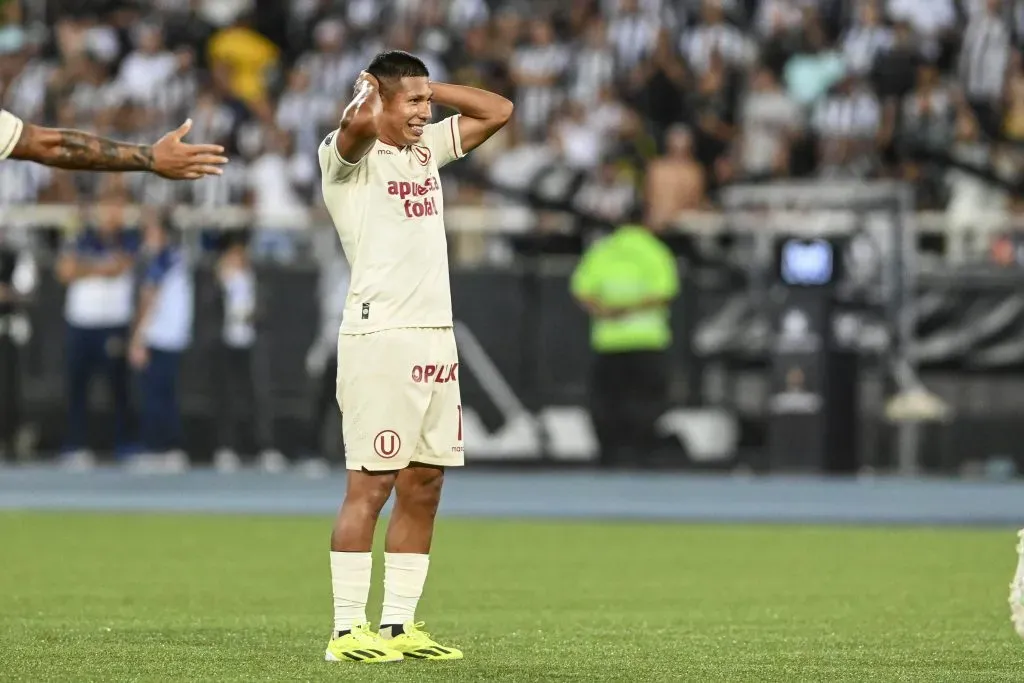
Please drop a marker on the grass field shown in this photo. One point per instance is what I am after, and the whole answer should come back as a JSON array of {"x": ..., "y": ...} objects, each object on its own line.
[{"x": 210, "y": 598}]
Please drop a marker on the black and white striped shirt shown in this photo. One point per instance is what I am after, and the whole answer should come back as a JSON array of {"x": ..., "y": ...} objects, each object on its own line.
[
  {"x": 536, "y": 103},
  {"x": 334, "y": 73},
  {"x": 174, "y": 99},
  {"x": 857, "y": 115},
  {"x": 633, "y": 36},
  {"x": 984, "y": 56},
  {"x": 26, "y": 93},
  {"x": 699, "y": 44},
  {"x": 305, "y": 114},
  {"x": 861, "y": 44},
  {"x": 223, "y": 190},
  {"x": 21, "y": 182},
  {"x": 592, "y": 70}
]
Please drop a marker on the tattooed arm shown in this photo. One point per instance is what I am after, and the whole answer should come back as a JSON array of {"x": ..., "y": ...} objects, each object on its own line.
[{"x": 77, "y": 150}]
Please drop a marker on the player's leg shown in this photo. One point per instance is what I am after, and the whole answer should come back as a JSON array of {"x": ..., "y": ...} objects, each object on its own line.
[
  {"x": 381, "y": 417},
  {"x": 1017, "y": 588},
  {"x": 351, "y": 565},
  {"x": 417, "y": 497}
]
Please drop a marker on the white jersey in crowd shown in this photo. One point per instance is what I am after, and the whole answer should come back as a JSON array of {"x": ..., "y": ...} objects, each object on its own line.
[
  {"x": 10, "y": 133},
  {"x": 387, "y": 209}
]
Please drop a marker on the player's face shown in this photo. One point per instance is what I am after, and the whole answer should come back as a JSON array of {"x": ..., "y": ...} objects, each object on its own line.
[{"x": 407, "y": 110}]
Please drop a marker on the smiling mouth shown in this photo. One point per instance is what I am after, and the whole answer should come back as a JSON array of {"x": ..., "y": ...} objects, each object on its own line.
[{"x": 416, "y": 129}]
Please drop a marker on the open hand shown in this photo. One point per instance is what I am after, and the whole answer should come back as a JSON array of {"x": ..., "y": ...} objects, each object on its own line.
[{"x": 179, "y": 160}]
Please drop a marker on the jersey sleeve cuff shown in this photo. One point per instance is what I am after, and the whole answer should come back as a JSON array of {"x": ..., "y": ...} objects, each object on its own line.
[
  {"x": 12, "y": 126},
  {"x": 453, "y": 125},
  {"x": 342, "y": 160}
]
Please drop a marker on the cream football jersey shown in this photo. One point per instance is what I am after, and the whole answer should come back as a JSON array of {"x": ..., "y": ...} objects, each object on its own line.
[
  {"x": 10, "y": 133},
  {"x": 387, "y": 209}
]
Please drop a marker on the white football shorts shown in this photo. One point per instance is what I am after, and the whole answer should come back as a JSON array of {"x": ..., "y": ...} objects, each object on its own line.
[{"x": 398, "y": 391}]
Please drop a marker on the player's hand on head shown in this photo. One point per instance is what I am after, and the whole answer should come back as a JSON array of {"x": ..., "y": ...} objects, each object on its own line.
[
  {"x": 179, "y": 160},
  {"x": 366, "y": 77}
]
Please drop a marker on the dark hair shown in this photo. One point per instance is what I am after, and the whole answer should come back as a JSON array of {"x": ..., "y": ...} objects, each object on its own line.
[{"x": 393, "y": 65}]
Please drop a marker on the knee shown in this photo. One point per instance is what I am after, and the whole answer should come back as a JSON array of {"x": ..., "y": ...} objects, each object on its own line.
[
  {"x": 422, "y": 492},
  {"x": 370, "y": 495}
]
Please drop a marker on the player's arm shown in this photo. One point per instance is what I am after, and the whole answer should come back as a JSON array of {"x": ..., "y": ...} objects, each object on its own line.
[
  {"x": 77, "y": 150},
  {"x": 483, "y": 113},
  {"x": 360, "y": 122}
]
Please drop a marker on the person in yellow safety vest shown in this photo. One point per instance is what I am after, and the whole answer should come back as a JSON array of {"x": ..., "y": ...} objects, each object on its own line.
[{"x": 626, "y": 282}]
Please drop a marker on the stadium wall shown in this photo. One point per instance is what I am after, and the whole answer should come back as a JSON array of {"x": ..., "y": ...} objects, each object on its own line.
[{"x": 525, "y": 359}]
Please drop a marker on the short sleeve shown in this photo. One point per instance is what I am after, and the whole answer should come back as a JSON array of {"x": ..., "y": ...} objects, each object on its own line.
[
  {"x": 10, "y": 132},
  {"x": 158, "y": 268},
  {"x": 444, "y": 140},
  {"x": 333, "y": 167},
  {"x": 584, "y": 283},
  {"x": 665, "y": 273}
]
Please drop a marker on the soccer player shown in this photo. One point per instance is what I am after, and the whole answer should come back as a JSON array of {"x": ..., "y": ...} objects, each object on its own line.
[
  {"x": 398, "y": 382},
  {"x": 77, "y": 150},
  {"x": 1017, "y": 589}
]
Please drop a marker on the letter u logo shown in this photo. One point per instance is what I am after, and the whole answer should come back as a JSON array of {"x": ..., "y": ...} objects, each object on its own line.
[{"x": 387, "y": 444}]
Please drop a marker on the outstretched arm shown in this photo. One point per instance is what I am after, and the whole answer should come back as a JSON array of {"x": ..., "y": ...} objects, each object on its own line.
[
  {"x": 77, "y": 150},
  {"x": 483, "y": 112}
]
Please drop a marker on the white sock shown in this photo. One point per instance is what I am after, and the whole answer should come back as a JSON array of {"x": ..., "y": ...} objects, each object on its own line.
[
  {"x": 404, "y": 576},
  {"x": 350, "y": 577}
]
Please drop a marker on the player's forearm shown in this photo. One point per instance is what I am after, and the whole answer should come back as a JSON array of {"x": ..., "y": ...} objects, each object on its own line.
[
  {"x": 364, "y": 111},
  {"x": 78, "y": 150},
  {"x": 473, "y": 102}
]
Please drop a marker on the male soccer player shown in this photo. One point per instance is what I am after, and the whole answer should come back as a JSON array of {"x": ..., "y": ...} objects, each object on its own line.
[
  {"x": 1017, "y": 589},
  {"x": 398, "y": 383},
  {"x": 77, "y": 150}
]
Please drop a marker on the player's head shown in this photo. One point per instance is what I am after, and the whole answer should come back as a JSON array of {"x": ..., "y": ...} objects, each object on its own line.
[{"x": 405, "y": 94}]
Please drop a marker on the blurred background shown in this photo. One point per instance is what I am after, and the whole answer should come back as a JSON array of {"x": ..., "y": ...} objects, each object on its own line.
[{"x": 813, "y": 210}]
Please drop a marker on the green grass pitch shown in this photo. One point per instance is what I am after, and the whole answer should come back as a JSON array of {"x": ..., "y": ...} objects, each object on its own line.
[{"x": 90, "y": 597}]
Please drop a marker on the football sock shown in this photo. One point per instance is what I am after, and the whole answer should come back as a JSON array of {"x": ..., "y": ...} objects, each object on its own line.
[
  {"x": 404, "y": 576},
  {"x": 350, "y": 578}
]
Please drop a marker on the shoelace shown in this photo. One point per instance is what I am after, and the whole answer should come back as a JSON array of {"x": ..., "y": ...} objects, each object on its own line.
[{"x": 414, "y": 630}]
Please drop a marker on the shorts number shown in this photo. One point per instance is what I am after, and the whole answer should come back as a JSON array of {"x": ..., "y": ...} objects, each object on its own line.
[{"x": 460, "y": 422}]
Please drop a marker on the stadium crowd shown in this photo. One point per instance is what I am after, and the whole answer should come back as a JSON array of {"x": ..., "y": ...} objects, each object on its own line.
[{"x": 663, "y": 100}]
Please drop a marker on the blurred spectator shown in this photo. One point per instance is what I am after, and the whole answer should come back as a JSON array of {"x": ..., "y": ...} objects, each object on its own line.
[
  {"x": 322, "y": 357},
  {"x": 537, "y": 70},
  {"x": 17, "y": 282},
  {"x": 814, "y": 67},
  {"x": 608, "y": 195},
  {"x": 242, "y": 402},
  {"x": 770, "y": 121},
  {"x": 713, "y": 38},
  {"x": 626, "y": 282},
  {"x": 984, "y": 57},
  {"x": 848, "y": 123},
  {"x": 163, "y": 330},
  {"x": 280, "y": 182},
  {"x": 145, "y": 70},
  {"x": 97, "y": 269},
  {"x": 863, "y": 41},
  {"x": 971, "y": 198},
  {"x": 248, "y": 57},
  {"x": 676, "y": 182}
]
